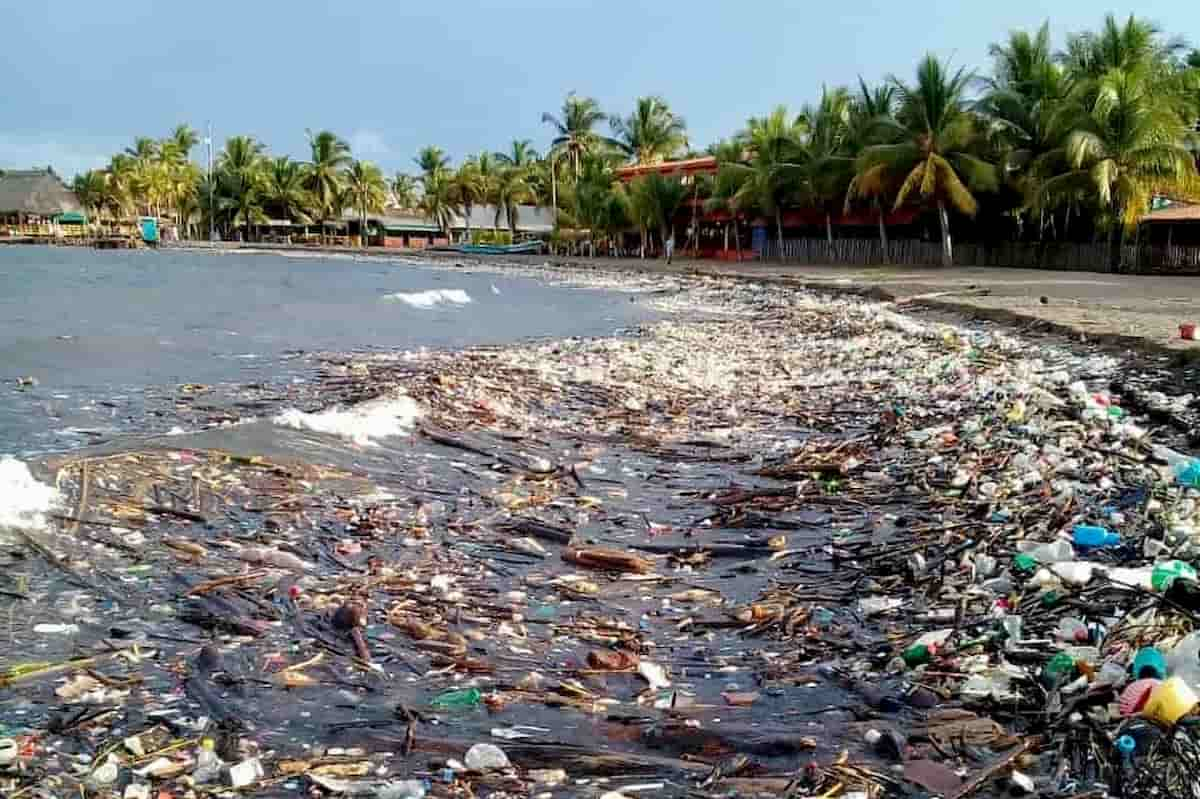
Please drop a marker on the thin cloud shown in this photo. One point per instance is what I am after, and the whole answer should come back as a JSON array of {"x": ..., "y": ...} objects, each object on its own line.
[
  {"x": 66, "y": 158},
  {"x": 365, "y": 143}
]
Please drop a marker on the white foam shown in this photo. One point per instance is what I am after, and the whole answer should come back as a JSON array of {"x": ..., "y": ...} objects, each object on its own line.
[
  {"x": 431, "y": 298},
  {"x": 363, "y": 424},
  {"x": 24, "y": 502}
]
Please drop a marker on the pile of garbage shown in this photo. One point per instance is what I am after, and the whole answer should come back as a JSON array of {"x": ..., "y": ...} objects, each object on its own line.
[{"x": 787, "y": 545}]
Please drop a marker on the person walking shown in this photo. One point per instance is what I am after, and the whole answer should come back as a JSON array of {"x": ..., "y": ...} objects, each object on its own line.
[{"x": 670, "y": 246}]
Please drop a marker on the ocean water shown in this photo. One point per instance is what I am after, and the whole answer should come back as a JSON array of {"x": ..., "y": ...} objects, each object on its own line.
[{"x": 89, "y": 339}]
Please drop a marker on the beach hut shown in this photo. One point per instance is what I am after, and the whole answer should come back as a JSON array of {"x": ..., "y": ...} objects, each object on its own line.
[
  {"x": 1172, "y": 235},
  {"x": 31, "y": 202}
]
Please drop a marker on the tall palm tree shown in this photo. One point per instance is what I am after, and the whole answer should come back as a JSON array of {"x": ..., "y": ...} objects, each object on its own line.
[
  {"x": 437, "y": 200},
  {"x": 574, "y": 128},
  {"x": 1119, "y": 46},
  {"x": 770, "y": 176},
  {"x": 468, "y": 189},
  {"x": 871, "y": 123},
  {"x": 726, "y": 186},
  {"x": 652, "y": 133},
  {"x": 825, "y": 167},
  {"x": 1026, "y": 107},
  {"x": 653, "y": 201},
  {"x": 89, "y": 189},
  {"x": 512, "y": 190},
  {"x": 1128, "y": 145},
  {"x": 283, "y": 190},
  {"x": 144, "y": 149},
  {"x": 366, "y": 191},
  {"x": 242, "y": 155},
  {"x": 432, "y": 160},
  {"x": 520, "y": 153},
  {"x": 239, "y": 199},
  {"x": 330, "y": 155},
  {"x": 404, "y": 190},
  {"x": 932, "y": 158}
]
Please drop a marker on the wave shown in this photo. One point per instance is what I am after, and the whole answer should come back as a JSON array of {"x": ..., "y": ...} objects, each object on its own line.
[
  {"x": 363, "y": 424},
  {"x": 431, "y": 298},
  {"x": 25, "y": 501}
]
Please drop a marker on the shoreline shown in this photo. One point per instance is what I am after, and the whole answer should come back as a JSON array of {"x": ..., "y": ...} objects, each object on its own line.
[{"x": 675, "y": 527}]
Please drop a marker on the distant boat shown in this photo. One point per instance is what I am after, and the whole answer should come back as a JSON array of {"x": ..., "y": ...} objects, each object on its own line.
[{"x": 526, "y": 248}]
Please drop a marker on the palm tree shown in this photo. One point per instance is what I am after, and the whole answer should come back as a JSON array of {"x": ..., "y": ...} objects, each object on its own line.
[
  {"x": 653, "y": 201},
  {"x": 239, "y": 199},
  {"x": 770, "y": 176},
  {"x": 330, "y": 156},
  {"x": 90, "y": 189},
  {"x": 1128, "y": 145},
  {"x": 432, "y": 160},
  {"x": 144, "y": 149},
  {"x": 242, "y": 155},
  {"x": 871, "y": 116},
  {"x": 1119, "y": 46},
  {"x": 366, "y": 191},
  {"x": 468, "y": 188},
  {"x": 931, "y": 156},
  {"x": 825, "y": 167},
  {"x": 437, "y": 200},
  {"x": 1025, "y": 110},
  {"x": 283, "y": 190},
  {"x": 574, "y": 132},
  {"x": 726, "y": 185},
  {"x": 404, "y": 190},
  {"x": 652, "y": 132},
  {"x": 511, "y": 190},
  {"x": 521, "y": 154}
]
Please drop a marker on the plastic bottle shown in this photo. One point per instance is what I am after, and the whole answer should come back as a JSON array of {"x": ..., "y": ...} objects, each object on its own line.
[
  {"x": 469, "y": 697},
  {"x": 1185, "y": 469},
  {"x": 1170, "y": 701},
  {"x": 1184, "y": 660},
  {"x": 208, "y": 765},
  {"x": 404, "y": 789},
  {"x": 1072, "y": 630},
  {"x": 1090, "y": 537},
  {"x": 1053, "y": 552},
  {"x": 1168, "y": 572},
  {"x": 1149, "y": 662},
  {"x": 1141, "y": 577},
  {"x": 1060, "y": 669},
  {"x": 918, "y": 654}
]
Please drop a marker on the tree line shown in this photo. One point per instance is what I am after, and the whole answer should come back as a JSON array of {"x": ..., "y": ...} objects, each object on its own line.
[{"x": 1049, "y": 144}]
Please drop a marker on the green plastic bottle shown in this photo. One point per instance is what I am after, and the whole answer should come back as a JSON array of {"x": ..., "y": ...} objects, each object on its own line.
[
  {"x": 1059, "y": 670},
  {"x": 469, "y": 697},
  {"x": 918, "y": 655},
  {"x": 1168, "y": 572}
]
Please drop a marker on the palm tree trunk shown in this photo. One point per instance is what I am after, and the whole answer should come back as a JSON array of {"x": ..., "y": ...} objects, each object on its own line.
[
  {"x": 883, "y": 239},
  {"x": 779, "y": 231},
  {"x": 828, "y": 229},
  {"x": 737, "y": 239},
  {"x": 467, "y": 219},
  {"x": 1114, "y": 246},
  {"x": 725, "y": 246},
  {"x": 947, "y": 247}
]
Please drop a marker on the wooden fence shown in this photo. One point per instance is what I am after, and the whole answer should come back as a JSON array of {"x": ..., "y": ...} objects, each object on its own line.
[{"x": 1088, "y": 257}]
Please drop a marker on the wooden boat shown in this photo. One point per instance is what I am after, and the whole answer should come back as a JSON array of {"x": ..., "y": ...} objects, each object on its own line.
[{"x": 526, "y": 248}]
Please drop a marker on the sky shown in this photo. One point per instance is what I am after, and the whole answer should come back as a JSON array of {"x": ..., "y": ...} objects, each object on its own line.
[{"x": 79, "y": 80}]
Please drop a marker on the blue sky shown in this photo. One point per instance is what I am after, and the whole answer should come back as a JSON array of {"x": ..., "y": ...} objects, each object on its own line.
[{"x": 81, "y": 79}]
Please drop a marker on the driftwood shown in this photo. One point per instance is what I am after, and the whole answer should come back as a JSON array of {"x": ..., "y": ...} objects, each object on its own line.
[
  {"x": 536, "y": 529},
  {"x": 528, "y": 463},
  {"x": 608, "y": 560}
]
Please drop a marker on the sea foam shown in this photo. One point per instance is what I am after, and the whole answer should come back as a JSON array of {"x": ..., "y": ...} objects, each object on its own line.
[
  {"x": 24, "y": 502},
  {"x": 431, "y": 298},
  {"x": 364, "y": 424}
]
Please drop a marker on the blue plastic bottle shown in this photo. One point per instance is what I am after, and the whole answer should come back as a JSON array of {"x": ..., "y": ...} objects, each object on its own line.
[{"x": 1089, "y": 537}]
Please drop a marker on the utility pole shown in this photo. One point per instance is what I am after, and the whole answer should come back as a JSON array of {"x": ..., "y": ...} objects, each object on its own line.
[{"x": 212, "y": 235}]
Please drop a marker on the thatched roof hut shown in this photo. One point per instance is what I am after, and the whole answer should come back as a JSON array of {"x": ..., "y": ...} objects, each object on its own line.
[{"x": 35, "y": 192}]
